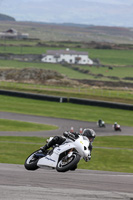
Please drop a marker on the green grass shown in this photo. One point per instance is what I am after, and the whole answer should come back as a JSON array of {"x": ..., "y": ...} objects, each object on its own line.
[
  {"x": 115, "y": 154},
  {"x": 110, "y": 160},
  {"x": 119, "y": 72},
  {"x": 16, "y": 149},
  {"x": 18, "y": 42},
  {"x": 13, "y": 125},
  {"x": 124, "y": 142},
  {"x": 65, "y": 110},
  {"x": 22, "y": 139},
  {"x": 119, "y": 158},
  {"x": 112, "y": 57},
  {"x": 22, "y": 50}
]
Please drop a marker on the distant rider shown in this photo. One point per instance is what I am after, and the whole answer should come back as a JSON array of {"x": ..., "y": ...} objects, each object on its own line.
[
  {"x": 99, "y": 122},
  {"x": 115, "y": 125}
]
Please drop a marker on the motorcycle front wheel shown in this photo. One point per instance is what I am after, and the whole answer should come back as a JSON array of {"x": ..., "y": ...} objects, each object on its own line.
[
  {"x": 67, "y": 164},
  {"x": 31, "y": 162}
]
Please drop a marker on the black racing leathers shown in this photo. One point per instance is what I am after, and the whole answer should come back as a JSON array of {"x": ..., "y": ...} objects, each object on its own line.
[{"x": 58, "y": 140}]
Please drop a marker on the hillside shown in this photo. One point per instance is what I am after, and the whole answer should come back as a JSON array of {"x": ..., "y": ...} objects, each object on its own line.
[
  {"x": 72, "y": 32},
  {"x": 6, "y": 18}
]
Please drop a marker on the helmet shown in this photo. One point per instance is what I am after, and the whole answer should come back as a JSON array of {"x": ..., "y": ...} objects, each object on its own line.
[{"x": 89, "y": 133}]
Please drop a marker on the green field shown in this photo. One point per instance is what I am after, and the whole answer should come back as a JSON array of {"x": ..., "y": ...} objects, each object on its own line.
[
  {"x": 13, "y": 125},
  {"x": 112, "y": 57},
  {"x": 119, "y": 72}
]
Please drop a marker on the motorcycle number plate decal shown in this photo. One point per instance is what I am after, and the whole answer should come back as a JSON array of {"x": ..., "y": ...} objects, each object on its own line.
[{"x": 81, "y": 142}]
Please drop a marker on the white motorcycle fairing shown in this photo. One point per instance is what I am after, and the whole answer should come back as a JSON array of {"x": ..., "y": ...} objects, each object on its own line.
[{"x": 80, "y": 145}]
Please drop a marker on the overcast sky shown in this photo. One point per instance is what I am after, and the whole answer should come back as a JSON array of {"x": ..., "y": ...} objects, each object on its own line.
[{"x": 96, "y": 12}]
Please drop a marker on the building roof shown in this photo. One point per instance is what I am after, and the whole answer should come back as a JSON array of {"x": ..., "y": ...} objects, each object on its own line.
[
  {"x": 67, "y": 51},
  {"x": 13, "y": 33},
  {"x": 11, "y": 30}
]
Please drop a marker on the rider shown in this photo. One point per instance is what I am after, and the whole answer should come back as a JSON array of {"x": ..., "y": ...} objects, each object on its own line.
[
  {"x": 115, "y": 125},
  {"x": 99, "y": 122},
  {"x": 58, "y": 140},
  {"x": 90, "y": 134}
]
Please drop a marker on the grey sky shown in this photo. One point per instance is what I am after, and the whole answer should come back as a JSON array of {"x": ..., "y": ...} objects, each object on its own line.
[{"x": 97, "y": 12}]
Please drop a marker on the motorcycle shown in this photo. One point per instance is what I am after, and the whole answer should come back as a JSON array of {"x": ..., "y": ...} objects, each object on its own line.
[
  {"x": 101, "y": 123},
  {"x": 117, "y": 127},
  {"x": 62, "y": 158}
]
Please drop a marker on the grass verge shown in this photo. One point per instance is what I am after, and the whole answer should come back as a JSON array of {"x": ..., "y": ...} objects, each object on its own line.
[
  {"x": 110, "y": 160},
  {"x": 13, "y": 125}
]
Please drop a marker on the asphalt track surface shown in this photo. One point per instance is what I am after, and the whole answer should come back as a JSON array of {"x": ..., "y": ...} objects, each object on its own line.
[
  {"x": 17, "y": 183},
  {"x": 63, "y": 124}
]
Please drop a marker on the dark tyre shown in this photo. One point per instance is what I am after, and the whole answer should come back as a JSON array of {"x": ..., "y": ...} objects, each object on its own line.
[
  {"x": 31, "y": 161},
  {"x": 74, "y": 168},
  {"x": 64, "y": 165}
]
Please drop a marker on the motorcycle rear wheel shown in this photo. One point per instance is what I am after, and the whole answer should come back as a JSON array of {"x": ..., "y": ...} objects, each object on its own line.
[
  {"x": 31, "y": 162},
  {"x": 68, "y": 165}
]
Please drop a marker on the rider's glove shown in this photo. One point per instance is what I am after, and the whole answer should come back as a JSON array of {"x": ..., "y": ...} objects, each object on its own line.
[
  {"x": 76, "y": 135},
  {"x": 69, "y": 135},
  {"x": 66, "y": 133},
  {"x": 87, "y": 158}
]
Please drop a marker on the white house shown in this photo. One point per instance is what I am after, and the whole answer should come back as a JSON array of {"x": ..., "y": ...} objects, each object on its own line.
[
  {"x": 69, "y": 56},
  {"x": 13, "y": 34}
]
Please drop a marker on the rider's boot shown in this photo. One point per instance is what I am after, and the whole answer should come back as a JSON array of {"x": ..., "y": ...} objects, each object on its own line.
[
  {"x": 49, "y": 144},
  {"x": 44, "y": 148}
]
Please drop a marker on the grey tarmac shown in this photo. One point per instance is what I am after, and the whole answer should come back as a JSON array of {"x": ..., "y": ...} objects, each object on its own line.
[{"x": 18, "y": 183}]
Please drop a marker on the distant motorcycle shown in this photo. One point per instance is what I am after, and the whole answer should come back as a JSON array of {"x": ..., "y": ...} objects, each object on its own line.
[
  {"x": 101, "y": 123},
  {"x": 117, "y": 127},
  {"x": 62, "y": 158}
]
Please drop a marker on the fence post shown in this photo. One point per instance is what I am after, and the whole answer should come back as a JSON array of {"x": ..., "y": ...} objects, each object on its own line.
[{"x": 61, "y": 100}]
